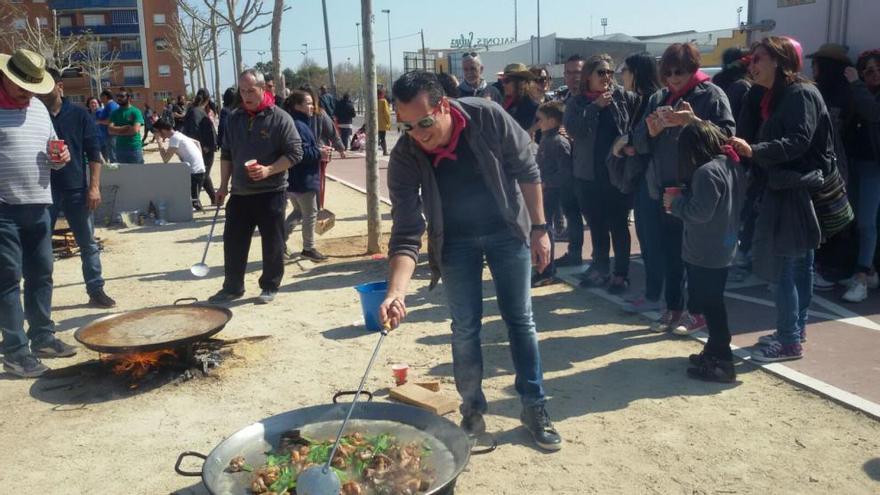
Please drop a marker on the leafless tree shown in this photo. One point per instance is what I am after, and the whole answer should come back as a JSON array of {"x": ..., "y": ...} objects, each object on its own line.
[
  {"x": 212, "y": 22},
  {"x": 277, "y": 13},
  {"x": 241, "y": 21},
  {"x": 9, "y": 12},
  {"x": 187, "y": 44},
  {"x": 61, "y": 52},
  {"x": 96, "y": 62}
]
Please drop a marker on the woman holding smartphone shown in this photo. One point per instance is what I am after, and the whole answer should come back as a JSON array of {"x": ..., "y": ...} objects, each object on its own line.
[{"x": 689, "y": 96}]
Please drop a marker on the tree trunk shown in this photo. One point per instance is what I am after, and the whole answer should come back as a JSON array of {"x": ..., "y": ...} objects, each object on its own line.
[
  {"x": 236, "y": 43},
  {"x": 214, "y": 41},
  {"x": 374, "y": 220},
  {"x": 278, "y": 76}
]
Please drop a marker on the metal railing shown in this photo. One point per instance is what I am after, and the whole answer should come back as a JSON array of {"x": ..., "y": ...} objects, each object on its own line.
[{"x": 92, "y": 4}]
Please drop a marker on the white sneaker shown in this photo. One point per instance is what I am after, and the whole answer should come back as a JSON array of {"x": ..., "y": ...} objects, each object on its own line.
[
  {"x": 857, "y": 292},
  {"x": 820, "y": 284},
  {"x": 873, "y": 280}
]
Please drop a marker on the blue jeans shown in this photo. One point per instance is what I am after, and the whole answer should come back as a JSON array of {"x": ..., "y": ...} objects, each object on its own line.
[
  {"x": 108, "y": 149},
  {"x": 76, "y": 211},
  {"x": 130, "y": 156},
  {"x": 649, "y": 216},
  {"x": 509, "y": 261},
  {"x": 25, "y": 252},
  {"x": 793, "y": 296},
  {"x": 866, "y": 212}
]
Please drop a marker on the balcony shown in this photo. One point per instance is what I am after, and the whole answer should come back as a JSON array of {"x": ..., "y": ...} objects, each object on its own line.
[
  {"x": 92, "y": 4},
  {"x": 126, "y": 55},
  {"x": 101, "y": 30},
  {"x": 133, "y": 81}
]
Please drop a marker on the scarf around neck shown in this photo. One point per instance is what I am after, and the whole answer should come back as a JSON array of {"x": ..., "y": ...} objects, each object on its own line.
[
  {"x": 7, "y": 103},
  {"x": 698, "y": 78},
  {"x": 448, "y": 151},
  {"x": 730, "y": 152},
  {"x": 268, "y": 101},
  {"x": 593, "y": 95}
]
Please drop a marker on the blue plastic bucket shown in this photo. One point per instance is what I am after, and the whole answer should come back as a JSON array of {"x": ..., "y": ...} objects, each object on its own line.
[{"x": 372, "y": 294}]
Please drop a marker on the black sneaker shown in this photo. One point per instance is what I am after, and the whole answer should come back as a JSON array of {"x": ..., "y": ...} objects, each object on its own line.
[
  {"x": 24, "y": 364},
  {"x": 473, "y": 424},
  {"x": 698, "y": 359},
  {"x": 536, "y": 420},
  {"x": 53, "y": 349},
  {"x": 618, "y": 285},
  {"x": 222, "y": 296},
  {"x": 100, "y": 299},
  {"x": 569, "y": 259},
  {"x": 313, "y": 254},
  {"x": 540, "y": 280},
  {"x": 712, "y": 369}
]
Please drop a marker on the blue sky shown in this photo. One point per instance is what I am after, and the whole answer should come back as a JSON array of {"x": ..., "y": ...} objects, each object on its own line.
[{"x": 446, "y": 19}]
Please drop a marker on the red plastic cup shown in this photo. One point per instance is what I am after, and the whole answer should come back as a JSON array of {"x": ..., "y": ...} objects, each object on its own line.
[
  {"x": 400, "y": 371},
  {"x": 250, "y": 163},
  {"x": 674, "y": 192},
  {"x": 56, "y": 146}
]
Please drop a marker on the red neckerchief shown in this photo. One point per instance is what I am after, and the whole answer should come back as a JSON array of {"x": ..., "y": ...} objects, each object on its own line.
[
  {"x": 593, "y": 95},
  {"x": 698, "y": 78},
  {"x": 766, "y": 102},
  {"x": 508, "y": 102},
  {"x": 730, "y": 152},
  {"x": 7, "y": 103},
  {"x": 268, "y": 101},
  {"x": 448, "y": 151}
]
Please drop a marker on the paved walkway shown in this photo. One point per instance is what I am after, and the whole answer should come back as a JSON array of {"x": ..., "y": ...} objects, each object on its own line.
[{"x": 842, "y": 352}]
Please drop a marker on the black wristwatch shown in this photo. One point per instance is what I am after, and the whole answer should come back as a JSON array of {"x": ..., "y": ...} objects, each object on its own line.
[{"x": 543, "y": 227}]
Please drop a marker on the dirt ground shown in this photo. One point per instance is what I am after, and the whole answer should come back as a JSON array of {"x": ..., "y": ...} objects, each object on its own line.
[{"x": 632, "y": 422}]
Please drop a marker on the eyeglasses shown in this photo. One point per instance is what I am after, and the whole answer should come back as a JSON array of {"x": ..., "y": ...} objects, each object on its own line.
[
  {"x": 604, "y": 72},
  {"x": 676, "y": 72},
  {"x": 425, "y": 122}
]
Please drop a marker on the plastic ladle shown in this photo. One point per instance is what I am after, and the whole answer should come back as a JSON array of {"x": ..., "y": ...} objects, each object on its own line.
[
  {"x": 323, "y": 480},
  {"x": 201, "y": 269}
]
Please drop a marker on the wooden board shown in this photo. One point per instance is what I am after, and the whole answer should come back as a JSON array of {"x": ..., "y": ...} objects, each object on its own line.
[
  {"x": 436, "y": 402},
  {"x": 432, "y": 385}
]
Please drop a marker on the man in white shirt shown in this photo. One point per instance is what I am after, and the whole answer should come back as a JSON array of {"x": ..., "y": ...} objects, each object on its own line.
[{"x": 189, "y": 151}]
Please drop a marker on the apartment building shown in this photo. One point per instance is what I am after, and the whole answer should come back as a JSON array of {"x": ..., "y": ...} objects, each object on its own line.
[{"x": 138, "y": 31}]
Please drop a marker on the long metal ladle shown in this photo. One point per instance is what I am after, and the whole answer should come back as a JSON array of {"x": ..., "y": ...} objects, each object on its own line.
[
  {"x": 322, "y": 480},
  {"x": 201, "y": 269}
]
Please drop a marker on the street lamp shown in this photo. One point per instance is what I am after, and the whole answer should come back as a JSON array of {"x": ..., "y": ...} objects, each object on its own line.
[
  {"x": 261, "y": 53},
  {"x": 360, "y": 69},
  {"x": 305, "y": 55},
  {"x": 390, "y": 59}
]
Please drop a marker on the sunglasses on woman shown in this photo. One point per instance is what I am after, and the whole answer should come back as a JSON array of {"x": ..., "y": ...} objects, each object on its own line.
[
  {"x": 425, "y": 122},
  {"x": 604, "y": 72}
]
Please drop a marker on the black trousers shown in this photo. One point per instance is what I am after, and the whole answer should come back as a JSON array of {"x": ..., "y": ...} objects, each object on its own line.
[
  {"x": 382, "y": 143},
  {"x": 195, "y": 187},
  {"x": 208, "y": 184},
  {"x": 671, "y": 239},
  {"x": 706, "y": 294},
  {"x": 607, "y": 211},
  {"x": 243, "y": 214},
  {"x": 573, "y": 217}
]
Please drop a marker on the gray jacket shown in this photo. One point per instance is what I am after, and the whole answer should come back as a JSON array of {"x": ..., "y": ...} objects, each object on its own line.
[
  {"x": 554, "y": 159},
  {"x": 506, "y": 157},
  {"x": 709, "y": 103},
  {"x": 710, "y": 212},
  {"x": 265, "y": 137},
  {"x": 581, "y": 122},
  {"x": 325, "y": 131}
]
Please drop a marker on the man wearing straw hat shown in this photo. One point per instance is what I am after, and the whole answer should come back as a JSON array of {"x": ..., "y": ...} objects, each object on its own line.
[{"x": 28, "y": 152}]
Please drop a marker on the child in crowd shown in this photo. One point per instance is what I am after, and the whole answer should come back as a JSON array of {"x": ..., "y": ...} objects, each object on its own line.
[
  {"x": 554, "y": 160},
  {"x": 189, "y": 151},
  {"x": 709, "y": 208}
]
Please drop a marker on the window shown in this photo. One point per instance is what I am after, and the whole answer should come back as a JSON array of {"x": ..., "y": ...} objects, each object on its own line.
[
  {"x": 135, "y": 95},
  {"x": 65, "y": 21},
  {"x": 162, "y": 96},
  {"x": 159, "y": 19},
  {"x": 42, "y": 22},
  {"x": 161, "y": 44},
  {"x": 93, "y": 19},
  {"x": 130, "y": 45},
  {"x": 133, "y": 71},
  {"x": 76, "y": 99},
  {"x": 164, "y": 70},
  {"x": 124, "y": 17},
  {"x": 19, "y": 23}
]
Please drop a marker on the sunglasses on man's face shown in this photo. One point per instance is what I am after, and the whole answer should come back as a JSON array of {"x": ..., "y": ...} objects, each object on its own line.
[
  {"x": 676, "y": 72},
  {"x": 425, "y": 122}
]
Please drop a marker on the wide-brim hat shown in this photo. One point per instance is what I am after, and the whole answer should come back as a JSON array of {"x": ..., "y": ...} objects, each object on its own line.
[
  {"x": 832, "y": 51},
  {"x": 518, "y": 70},
  {"x": 27, "y": 70}
]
